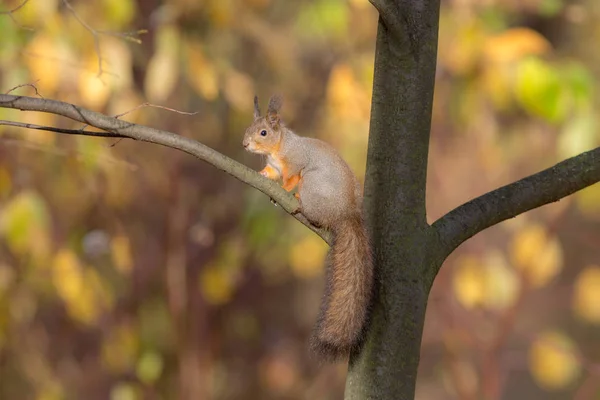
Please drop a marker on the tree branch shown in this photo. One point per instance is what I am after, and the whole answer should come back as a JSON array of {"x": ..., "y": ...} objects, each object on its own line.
[
  {"x": 119, "y": 128},
  {"x": 550, "y": 185},
  {"x": 82, "y": 132}
]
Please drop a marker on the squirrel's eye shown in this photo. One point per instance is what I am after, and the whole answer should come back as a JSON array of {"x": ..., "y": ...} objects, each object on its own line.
[{"x": 263, "y": 133}]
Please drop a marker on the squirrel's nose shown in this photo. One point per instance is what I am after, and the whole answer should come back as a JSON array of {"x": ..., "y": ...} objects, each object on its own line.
[{"x": 245, "y": 143}]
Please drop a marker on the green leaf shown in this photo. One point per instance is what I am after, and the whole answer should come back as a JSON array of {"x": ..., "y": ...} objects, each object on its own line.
[
  {"x": 120, "y": 12},
  {"x": 579, "y": 134},
  {"x": 323, "y": 18},
  {"x": 23, "y": 220},
  {"x": 125, "y": 391},
  {"x": 539, "y": 90},
  {"x": 149, "y": 367},
  {"x": 581, "y": 85},
  {"x": 549, "y": 8}
]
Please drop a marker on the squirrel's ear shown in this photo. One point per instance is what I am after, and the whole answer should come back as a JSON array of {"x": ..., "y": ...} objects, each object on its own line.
[
  {"x": 256, "y": 108},
  {"x": 273, "y": 111}
]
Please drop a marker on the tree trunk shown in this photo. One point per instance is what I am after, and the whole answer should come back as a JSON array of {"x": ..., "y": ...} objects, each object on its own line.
[
  {"x": 403, "y": 244},
  {"x": 408, "y": 251}
]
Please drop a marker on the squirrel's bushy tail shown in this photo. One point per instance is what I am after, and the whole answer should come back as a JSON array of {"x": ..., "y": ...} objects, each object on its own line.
[{"x": 347, "y": 298}]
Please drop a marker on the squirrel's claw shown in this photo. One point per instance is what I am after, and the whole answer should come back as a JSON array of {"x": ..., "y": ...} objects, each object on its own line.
[{"x": 273, "y": 202}]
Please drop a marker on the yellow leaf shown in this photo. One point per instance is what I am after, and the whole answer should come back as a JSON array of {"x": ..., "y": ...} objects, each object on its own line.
[
  {"x": 163, "y": 69},
  {"x": 307, "y": 257},
  {"x": 149, "y": 367},
  {"x": 588, "y": 200},
  {"x": 125, "y": 391},
  {"x": 539, "y": 257},
  {"x": 553, "y": 361},
  {"x": 120, "y": 12},
  {"x": 121, "y": 254},
  {"x": 463, "y": 53},
  {"x": 24, "y": 223},
  {"x": 216, "y": 285},
  {"x": 514, "y": 44},
  {"x": 117, "y": 61},
  {"x": 502, "y": 284},
  {"x": 345, "y": 96},
  {"x": 201, "y": 73},
  {"x": 497, "y": 81},
  {"x": 37, "y": 13},
  {"x": 221, "y": 12},
  {"x": 469, "y": 282},
  {"x": 161, "y": 77},
  {"x": 67, "y": 277},
  {"x": 84, "y": 293},
  {"x": 93, "y": 90},
  {"x": 586, "y": 299},
  {"x": 239, "y": 90},
  {"x": 578, "y": 135},
  {"x": 42, "y": 68}
]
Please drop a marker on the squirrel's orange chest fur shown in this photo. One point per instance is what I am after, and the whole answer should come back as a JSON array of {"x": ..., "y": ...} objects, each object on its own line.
[{"x": 277, "y": 163}]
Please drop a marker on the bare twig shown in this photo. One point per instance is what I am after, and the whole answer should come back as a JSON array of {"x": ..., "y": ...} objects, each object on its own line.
[
  {"x": 31, "y": 85},
  {"x": 119, "y": 128},
  {"x": 91, "y": 30},
  {"x": 141, "y": 106},
  {"x": 17, "y": 8},
  {"x": 155, "y": 106},
  {"x": 129, "y": 36},
  {"x": 12, "y": 17},
  {"x": 62, "y": 130}
]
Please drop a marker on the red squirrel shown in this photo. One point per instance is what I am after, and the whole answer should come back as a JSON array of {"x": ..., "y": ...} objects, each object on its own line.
[{"x": 330, "y": 197}]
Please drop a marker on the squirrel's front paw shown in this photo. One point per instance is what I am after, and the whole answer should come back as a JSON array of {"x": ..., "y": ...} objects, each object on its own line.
[{"x": 264, "y": 173}]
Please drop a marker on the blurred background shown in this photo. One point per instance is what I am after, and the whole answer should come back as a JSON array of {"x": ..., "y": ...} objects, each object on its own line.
[{"x": 131, "y": 271}]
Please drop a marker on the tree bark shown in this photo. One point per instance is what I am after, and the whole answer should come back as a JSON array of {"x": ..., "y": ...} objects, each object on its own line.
[{"x": 405, "y": 63}]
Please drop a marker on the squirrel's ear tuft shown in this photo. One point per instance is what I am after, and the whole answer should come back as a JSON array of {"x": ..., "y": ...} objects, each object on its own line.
[
  {"x": 256, "y": 108},
  {"x": 273, "y": 111}
]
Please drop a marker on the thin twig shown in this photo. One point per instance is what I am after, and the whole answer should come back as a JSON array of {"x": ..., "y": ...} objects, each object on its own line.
[
  {"x": 12, "y": 17},
  {"x": 129, "y": 36},
  {"x": 146, "y": 105},
  {"x": 31, "y": 85},
  {"x": 91, "y": 30},
  {"x": 17, "y": 8},
  {"x": 63, "y": 130},
  {"x": 155, "y": 106}
]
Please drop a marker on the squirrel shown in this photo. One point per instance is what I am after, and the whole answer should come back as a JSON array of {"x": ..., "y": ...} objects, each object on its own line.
[{"x": 330, "y": 197}]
